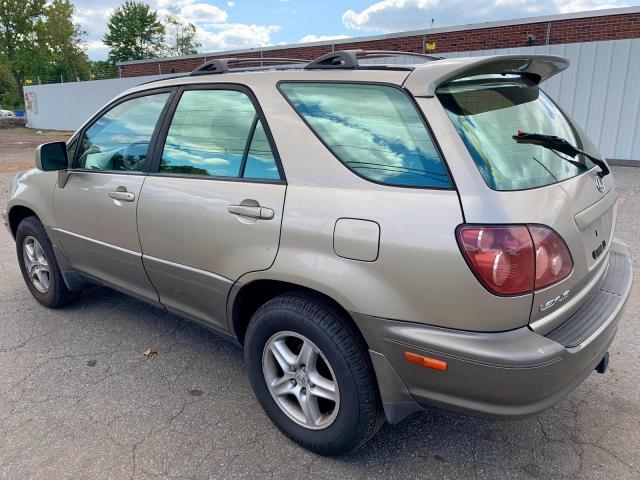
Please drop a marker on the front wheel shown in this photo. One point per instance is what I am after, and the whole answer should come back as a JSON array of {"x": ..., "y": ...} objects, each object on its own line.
[
  {"x": 39, "y": 267},
  {"x": 311, "y": 373}
]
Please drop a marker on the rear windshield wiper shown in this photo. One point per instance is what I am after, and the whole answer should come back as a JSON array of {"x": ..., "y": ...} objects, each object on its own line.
[{"x": 561, "y": 145}]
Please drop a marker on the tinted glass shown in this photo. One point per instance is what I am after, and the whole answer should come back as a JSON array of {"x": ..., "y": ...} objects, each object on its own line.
[
  {"x": 375, "y": 130},
  {"x": 488, "y": 114},
  {"x": 119, "y": 140},
  {"x": 71, "y": 150},
  {"x": 260, "y": 160},
  {"x": 208, "y": 133}
]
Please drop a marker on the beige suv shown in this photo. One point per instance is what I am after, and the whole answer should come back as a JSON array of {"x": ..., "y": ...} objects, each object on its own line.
[{"x": 380, "y": 238}]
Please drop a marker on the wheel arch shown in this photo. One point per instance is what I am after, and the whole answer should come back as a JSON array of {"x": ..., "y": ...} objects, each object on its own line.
[
  {"x": 245, "y": 299},
  {"x": 16, "y": 214}
]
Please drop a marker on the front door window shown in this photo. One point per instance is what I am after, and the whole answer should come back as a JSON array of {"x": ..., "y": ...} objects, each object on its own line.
[{"x": 119, "y": 140}]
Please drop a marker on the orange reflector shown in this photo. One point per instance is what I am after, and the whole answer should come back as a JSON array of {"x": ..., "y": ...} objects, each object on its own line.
[{"x": 425, "y": 361}]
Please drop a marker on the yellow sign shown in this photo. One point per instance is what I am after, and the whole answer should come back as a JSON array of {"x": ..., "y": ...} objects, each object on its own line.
[{"x": 430, "y": 47}]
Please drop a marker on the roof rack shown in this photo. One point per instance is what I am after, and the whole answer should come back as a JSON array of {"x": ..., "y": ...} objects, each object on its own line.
[
  {"x": 343, "y": 59},
  {"x": 349, "y": 58},
  {"x": 221, "y": 65}
]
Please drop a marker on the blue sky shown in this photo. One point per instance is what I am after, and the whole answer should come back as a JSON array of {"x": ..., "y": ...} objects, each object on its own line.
[{"x": 230, "y": 24}]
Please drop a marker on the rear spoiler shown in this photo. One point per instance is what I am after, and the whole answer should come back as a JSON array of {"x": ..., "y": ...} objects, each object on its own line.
[{"x": 425, "y": 79}]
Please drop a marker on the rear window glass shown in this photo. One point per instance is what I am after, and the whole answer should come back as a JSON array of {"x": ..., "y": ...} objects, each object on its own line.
[
  {"x": 375, "y": 130},
  {"x": 488, "y": 112}
]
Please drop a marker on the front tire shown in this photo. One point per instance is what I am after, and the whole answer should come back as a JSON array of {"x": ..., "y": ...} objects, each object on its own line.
[
  {"x": 311, "y": 372},
  {"x": 39, "y": 267}
]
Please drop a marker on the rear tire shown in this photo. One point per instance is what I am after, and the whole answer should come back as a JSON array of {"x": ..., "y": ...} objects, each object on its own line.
[
  {"x": 39, "y": 267},
  {"x": 350, "y": 413}
]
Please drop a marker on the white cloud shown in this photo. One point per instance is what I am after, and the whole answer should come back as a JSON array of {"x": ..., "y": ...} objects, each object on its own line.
[
  {"x": 397, "y": 15},
  {"x": 172, "y": 3},
  {"x": 321, "y": 38},
  {"x": 585, "y": 5},
  {"x": 93, "y": 21},
  {"x": 203, "y": 13},
  {"x": 96, "y": 45},
  {"x": 230, "y": 3},
  {"x": 226, "y": 36},
  {"x": 390, "y": 15}
]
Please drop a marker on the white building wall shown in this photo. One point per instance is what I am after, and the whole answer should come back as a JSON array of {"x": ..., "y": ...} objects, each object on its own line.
[
  {"x": 66, "y": 106},
  {"x": 600, "y": 90}
]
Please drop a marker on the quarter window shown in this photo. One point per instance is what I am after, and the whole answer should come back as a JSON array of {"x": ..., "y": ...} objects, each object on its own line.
[
  {"x": 260, "y": 161},
  {"x": 217, "y": 133},
  {"x": 119, "y": 140},
  {"x": 375, "y": 130}
]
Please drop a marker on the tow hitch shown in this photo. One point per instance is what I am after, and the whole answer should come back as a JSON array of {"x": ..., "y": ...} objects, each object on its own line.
[{"x": 604, "y": 364}]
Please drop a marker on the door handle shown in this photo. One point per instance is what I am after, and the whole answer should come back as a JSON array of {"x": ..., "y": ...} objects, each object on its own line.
[
  {"x": 121, "y": 193},
  {"x": 250, "y": 209}
]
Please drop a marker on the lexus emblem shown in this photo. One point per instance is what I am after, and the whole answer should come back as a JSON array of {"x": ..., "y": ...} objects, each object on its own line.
[{"x": 599, "y": 184}]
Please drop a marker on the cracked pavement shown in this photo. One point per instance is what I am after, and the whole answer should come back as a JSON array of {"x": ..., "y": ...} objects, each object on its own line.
[{"x": 79, "y": 400}]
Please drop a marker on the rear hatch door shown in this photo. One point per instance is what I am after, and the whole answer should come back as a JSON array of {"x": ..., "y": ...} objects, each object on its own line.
[{"x": 501, "y": 181}]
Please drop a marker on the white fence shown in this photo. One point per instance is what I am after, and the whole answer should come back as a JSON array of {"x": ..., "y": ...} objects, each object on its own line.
[{"x": 600, "y": 90}]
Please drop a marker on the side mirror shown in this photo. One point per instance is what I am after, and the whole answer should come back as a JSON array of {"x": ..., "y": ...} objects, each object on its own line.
[{"x": 52, "y": 156}]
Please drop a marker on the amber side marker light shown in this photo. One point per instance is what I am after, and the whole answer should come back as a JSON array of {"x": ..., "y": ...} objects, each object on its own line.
[{"x": 425, "y": 361}]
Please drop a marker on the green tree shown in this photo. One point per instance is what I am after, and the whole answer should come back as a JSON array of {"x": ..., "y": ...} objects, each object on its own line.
[
  {"x": 9, "y": 97},
  {"x": 38, "y": 40},
  {"x": 18, "y": 39},
  {"x": 134, "y": 33},
  {"x": 181, "y": 36},
  {"x": 58, "y": 43}
]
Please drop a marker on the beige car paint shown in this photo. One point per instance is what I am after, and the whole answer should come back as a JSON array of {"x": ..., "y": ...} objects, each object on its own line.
[
  {"x": 194, "y": 248},
  {"x": 99, "y": 234},
  {"x": 406, "y": 279},
  {"x": 33, "y": 189},
  {"x": 356, "y": 239},
  {"x": 423, "y": 82}
]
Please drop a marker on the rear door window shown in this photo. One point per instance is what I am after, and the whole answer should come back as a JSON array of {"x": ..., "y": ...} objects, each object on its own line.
[
  {"x": 488, "y": 112},
  {"x": 217, "y": 133},
  {"x": 375, "y": 130}
]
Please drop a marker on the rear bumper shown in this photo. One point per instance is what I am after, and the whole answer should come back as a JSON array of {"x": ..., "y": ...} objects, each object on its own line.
[{"x": 503, "y": 374}]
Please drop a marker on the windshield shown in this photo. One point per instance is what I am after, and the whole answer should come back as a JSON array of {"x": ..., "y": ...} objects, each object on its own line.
[{"x": 487, "y": 112}]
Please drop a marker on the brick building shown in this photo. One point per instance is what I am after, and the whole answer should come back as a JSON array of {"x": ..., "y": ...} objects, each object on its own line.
[{"x": 599, "y": 25}]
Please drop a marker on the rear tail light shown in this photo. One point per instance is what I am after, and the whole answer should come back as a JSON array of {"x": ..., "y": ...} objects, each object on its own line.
[
  {"x": 553, "y": 260},
  {"x": 515, "y": 260}
]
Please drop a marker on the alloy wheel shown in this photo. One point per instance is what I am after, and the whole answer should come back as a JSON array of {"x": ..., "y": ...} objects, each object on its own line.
[
  {"x": 36, "y": 264},
  {"x": 301, "y": 380}
]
